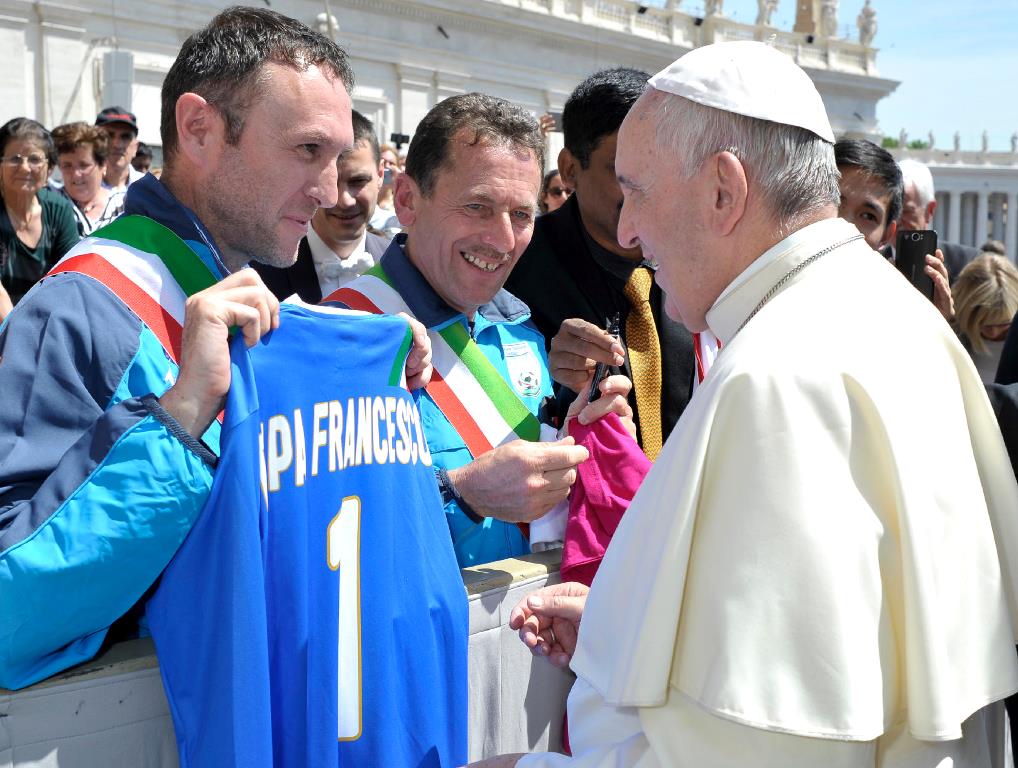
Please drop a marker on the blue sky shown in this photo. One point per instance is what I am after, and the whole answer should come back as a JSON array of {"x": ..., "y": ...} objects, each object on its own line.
[{"x": 957, "y": 63}]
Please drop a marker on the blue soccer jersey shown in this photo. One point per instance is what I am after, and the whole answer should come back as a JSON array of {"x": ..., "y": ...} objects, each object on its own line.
[{"x": 315, "y": 615}]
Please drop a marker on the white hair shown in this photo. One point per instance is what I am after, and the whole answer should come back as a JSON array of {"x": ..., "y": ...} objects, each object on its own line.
[
  {"x": 793, "y": 168},
  {"x": 914, "y": 172}
]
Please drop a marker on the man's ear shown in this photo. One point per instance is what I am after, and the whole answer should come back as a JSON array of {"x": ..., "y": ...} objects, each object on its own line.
[
  {"x": 931, "y": 208},
  {"x": 381, "y": 170},
  {"x": 729, "y": 189},
  {"x": 201, "y": 132},
  {"x": 405, "y": 199},
  {"x": 568, "y": 166}
]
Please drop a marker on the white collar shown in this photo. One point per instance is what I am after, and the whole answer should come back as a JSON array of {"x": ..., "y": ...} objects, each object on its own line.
[
  {"x": 321, "y": 253},
  {"x": 739, "y": 298}
]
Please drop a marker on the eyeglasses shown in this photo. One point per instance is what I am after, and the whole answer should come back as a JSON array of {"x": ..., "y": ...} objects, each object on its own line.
[
  {"x": 559, "y": 191},
  {"x": 69, "y": 169},
  {"x": 35, "y": 162},
  {"x": 995, "y": 331}
]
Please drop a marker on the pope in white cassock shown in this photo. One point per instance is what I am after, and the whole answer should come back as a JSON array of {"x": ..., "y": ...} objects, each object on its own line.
[{"x": 821, "y": 568}]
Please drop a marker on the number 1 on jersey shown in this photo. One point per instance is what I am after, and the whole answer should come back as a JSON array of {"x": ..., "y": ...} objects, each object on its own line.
[{"x": 343, "y": 551}]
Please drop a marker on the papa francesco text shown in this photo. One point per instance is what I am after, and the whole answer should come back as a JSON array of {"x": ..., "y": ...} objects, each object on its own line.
[{"x": 380, "y": 430}]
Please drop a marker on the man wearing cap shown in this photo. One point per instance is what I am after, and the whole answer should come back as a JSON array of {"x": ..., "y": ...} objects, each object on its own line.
[
  {"x": 122, "y": 128},
  {"x": 798, "y": 581}
]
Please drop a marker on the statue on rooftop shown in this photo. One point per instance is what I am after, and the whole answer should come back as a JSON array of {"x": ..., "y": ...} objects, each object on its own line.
[
  {"x": 829, "y": 18},
  {"x": 986, "y": 141},
  {"x": 957, "y": 141},
  {"x": 932, "y": 140},
  {"x": 903, "y": 139},
  {"x": 712, "y": 7},
  {"x": 765, "y": 9},
  {"x": 1014, "y": 142},
  {"x": 867, "y": 23}
]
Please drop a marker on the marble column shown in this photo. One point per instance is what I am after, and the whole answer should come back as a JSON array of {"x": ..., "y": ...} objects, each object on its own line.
[
  {"x": 982, "y": 214},
  {"x": 954, "y": 217},
  {"x": 966, "y": 233},
  {"x": 939, "y": 222},
  {"x": 997, "y": 208},
  {"x": 416, "y": 95}
]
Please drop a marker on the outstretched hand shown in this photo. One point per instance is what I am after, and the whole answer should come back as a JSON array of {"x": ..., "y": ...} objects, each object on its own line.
[{"x": 548, "y": 620}]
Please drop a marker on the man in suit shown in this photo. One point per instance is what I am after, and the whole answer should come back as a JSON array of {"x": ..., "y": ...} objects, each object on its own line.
[
  {"x": 575, "y": 274},
  {"x": 338, "y": 246},
  {"x": 917, "y": 211}
]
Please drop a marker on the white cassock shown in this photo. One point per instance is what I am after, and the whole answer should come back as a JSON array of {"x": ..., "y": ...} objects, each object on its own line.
[{"x": 821, "y": 567}]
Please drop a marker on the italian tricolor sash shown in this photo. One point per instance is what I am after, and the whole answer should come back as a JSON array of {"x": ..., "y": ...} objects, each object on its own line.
[
  {"x": 148, "y": 267},
  {"x": 465, "y": 386}
]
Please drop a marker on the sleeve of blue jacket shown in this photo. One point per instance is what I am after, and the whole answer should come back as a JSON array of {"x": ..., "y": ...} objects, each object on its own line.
[{"x": 98, "y": 485}]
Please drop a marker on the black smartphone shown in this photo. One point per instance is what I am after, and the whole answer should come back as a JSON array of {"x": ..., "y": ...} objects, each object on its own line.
[
  {"x": 910, "y": 257},
  {"x": 601, "y": 370}
]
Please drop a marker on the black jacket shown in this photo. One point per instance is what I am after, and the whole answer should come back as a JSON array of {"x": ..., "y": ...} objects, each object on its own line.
[{"x": 301, "y": 278}]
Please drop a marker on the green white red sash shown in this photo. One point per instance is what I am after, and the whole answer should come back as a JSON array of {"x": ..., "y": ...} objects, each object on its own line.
[
  {"x": 148, "y": 267},
  {"x": 465, "y": 386}
]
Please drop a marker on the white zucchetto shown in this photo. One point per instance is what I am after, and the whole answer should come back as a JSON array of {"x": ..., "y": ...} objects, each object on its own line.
[{"x": 751, "y": 79}]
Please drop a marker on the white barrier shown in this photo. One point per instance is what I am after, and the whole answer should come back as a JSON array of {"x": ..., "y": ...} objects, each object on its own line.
[{"x": 112, "y": 711}]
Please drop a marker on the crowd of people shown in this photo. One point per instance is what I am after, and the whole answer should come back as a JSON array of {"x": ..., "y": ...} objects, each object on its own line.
[{"x": 671, "y": 357}]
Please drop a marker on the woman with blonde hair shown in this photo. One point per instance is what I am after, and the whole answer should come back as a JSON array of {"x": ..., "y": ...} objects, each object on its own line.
[{"x": 985, "y": 301}]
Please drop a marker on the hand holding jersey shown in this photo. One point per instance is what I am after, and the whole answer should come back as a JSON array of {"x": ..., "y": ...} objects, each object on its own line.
[
  {"x": 418, "y": 361},
  {"x": 519, "y": 481},
  {"x": 240, "y": 300}
]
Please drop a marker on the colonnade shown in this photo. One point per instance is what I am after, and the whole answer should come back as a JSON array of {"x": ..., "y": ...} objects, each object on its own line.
[{"x": 973, "y": 216}]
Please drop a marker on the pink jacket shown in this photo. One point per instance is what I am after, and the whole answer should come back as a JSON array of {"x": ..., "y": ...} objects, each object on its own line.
[{"x": 605, "y": 485}]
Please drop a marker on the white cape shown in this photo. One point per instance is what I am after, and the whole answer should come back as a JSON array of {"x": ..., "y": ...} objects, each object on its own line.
[{"x": 828, "y": 543}]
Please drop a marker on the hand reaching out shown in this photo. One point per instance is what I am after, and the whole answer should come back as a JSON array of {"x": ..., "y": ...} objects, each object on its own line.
[{"x": 548, "y": 620}]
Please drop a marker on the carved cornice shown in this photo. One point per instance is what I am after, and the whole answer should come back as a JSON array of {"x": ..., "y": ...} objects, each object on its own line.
[{"x": 483, "y": 17}]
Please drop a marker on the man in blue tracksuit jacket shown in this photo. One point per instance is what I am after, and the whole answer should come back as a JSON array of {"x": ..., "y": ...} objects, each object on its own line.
[
  {"x": 106, "y": 448},
  {"x": 497, "y": 326},
  {"x": 467, "y": 202}
]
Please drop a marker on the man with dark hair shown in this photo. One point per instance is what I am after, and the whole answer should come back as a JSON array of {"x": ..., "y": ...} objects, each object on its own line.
[
  {"x": 142, "y": 161},
  {"x": 116, "y": 366},
  {"x": 468, "y": 201},
  {"x": 871, "y": 190},
  {"x": 122, "y": 127},
  {"x": 338, "y": 246},
  {"x": 575, "y": 274}
]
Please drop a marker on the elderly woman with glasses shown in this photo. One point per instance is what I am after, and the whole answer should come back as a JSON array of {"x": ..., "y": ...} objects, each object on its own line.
[
  {"x": 36, "y": 224},
  {"x": 82, "y": 152}
]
